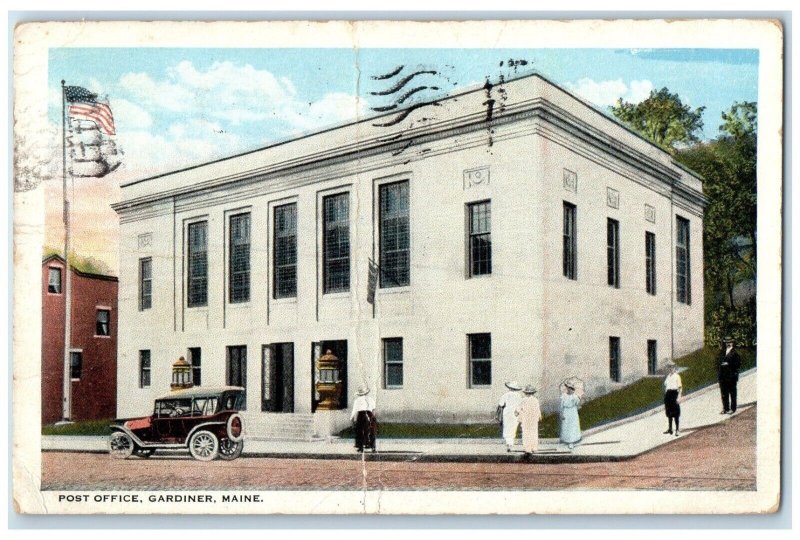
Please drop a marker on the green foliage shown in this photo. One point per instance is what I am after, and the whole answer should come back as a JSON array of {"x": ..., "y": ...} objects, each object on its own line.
[
  {"x": 83, "y": 263},
  {"x": 662, "y": 118},
  {"x": 738, "y": 322}
]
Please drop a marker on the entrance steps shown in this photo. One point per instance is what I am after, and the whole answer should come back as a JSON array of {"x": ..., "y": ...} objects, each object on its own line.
[{"x": 279, "y": 426}]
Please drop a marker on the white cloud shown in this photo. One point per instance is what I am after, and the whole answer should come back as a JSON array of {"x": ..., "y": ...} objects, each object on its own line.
[
  {"x": 605, "y": 93},
  {"x": 129, "y": 116}
]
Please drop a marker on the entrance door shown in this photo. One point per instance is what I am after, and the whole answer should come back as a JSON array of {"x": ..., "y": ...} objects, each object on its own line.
[
  {"x": 237, "y": 369},
  {"x": 339, "y": 349},
  {"x": 277, "y": 371}
]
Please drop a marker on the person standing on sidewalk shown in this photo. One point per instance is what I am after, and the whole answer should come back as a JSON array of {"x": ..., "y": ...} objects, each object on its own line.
[
  {"x": 570, "y": 432},
  {"x": 506, "y": 410},
  {"x": 673, "y": 390},
  {"x": 529, "y": 413},
  {"x": 728, "y": 365},
  {"x": 363, "y": 418}
]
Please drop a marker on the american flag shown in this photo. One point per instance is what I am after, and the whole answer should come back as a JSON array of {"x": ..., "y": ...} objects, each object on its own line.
[{"x": 83, "y": 104}]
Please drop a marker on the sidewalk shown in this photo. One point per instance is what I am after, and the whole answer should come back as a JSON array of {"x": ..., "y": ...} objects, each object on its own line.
[{"x": 617, "y": 441}]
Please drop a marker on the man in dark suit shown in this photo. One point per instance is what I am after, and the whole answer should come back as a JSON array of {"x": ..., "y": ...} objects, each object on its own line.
[{"x": 728, "y": 365}]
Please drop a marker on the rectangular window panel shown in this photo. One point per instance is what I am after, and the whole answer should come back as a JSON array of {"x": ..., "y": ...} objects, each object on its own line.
[
  {"x": 614, "y": 369},
  {"x": 144, "y": 369},
  {"x": 239, "y": 285},
  {"x": 145, "y": 283},
  {"x": 198, "y": 264},
  {"x": 650, "y": 262},
  {"x": 652, "y": 356},
  {"x": 480, "y": 239},
  {"x": 480, "y": 359},
  {"x": 393, "y": 362},
  {"x": 336, "y": 248},
  {"x": 284, "y": 252},
  {"x": 103, "y": 323},
  {"x": 682, "y": 262},
  {"x": 570, "y": 250},
  {"x": 613, "y": 253},
  {"x": 54, "y": 280},
  {"x": 394, "y": 235},
  {"x": 75, "y": 364},
  {"x": 195, "y": 358},
  {"x": 237, "y": 367}
]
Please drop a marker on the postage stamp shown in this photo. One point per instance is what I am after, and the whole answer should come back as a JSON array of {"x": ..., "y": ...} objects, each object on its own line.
[{"x": 484, "y": 267}]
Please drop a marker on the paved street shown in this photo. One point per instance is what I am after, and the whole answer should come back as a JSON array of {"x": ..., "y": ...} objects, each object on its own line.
[{"x": 717, "y": 457}]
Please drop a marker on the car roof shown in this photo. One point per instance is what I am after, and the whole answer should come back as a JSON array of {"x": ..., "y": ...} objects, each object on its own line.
[{"x": 200, "y": 391}]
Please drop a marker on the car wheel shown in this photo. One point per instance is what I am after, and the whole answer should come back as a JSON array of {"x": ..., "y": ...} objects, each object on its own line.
[
  {"x": 229, "y": 450},
  {"x": 235, "y": 427},
  {"x": 144, "y": 452},
  {"x": 120, "y": 445},
  {"x": 204, "y": 446}
]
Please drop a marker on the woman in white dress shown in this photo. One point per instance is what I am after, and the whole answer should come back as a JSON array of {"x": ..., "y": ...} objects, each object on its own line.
[
  {"x": 506, "y": 410},
  {"x": 529, "y": 413}
]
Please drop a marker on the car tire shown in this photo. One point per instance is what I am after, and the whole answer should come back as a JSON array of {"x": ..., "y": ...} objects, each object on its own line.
[
  {"x": 120, "y": 445},
  {"x": 233, "y": 420},
  {"x": 230, "y": 450},
  {"x": 204, "y": 446}
]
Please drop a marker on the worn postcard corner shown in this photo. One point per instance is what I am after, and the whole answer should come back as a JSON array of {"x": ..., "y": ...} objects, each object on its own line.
[{"x": 397, "y": 268}]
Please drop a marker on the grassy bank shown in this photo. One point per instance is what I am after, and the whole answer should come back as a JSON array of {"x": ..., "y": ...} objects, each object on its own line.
[
  {"x": 642, "y": 395},
  {"x": 88, "y": 427}
]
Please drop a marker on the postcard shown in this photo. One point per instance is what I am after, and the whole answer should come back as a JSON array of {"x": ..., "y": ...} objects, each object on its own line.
[{"x": 389, "y": 267}]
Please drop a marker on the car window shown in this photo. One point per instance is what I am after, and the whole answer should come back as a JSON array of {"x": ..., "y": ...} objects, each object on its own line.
[
  {"x": 204, "y": 406},
  {"x": 173, "y": 408}
]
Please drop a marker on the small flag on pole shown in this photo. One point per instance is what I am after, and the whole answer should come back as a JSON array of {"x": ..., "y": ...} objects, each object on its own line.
[
  {"x": 83, "y": 104},
  {"x": 372, "y": 281}
]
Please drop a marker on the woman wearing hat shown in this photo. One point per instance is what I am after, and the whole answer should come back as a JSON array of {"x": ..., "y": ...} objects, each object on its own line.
[
  {"x": 506, "y": 410},
  {"x": 529, "y": 413},
  {"x": 570, "y": 432},
  {"x": 673, "y": 388},
  {"x": 363, "y": 417}
]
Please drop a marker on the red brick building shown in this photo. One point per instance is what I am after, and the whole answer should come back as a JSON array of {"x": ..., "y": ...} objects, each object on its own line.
[{"x": 93, "y": 358}]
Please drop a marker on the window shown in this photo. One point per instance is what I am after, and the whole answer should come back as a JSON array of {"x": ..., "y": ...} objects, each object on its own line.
[
  {"x": 145, "y": 283},
  {"x": 393, "y": 362},
  {"x": 144, "y": 369},
  {"x": 480, "y": 359},
  {"x": 198, "y": 264},
  {"x": 75, "y": 364},
  {"x": 652, "y": 356},
  {"x": 237, "y": 367},
  {"x": 336, "y": 249},
  {"x": 103, "y": 326},
  {"x": 682, "y": 273},
  {"x": 613, "y": 359},
  {"x": 195, "y": 357},
  {"x": 54, "y": 280},
  {"x": 480, "y": 239},
  {"x": 650, "y": 262},
  {"x": 570, "y": 256},
  {"x": 394, "y": 235},
  {"x": 613, "y": 253},
  {"x": 239, "y": 286},
  {"x": 285, "y": 251}
]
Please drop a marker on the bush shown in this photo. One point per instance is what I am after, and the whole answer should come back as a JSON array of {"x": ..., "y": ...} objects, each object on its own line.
[{"x": 738, "y": 322}]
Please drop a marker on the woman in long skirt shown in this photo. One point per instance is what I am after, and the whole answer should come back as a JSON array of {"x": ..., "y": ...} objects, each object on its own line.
[
  {"x": 529, "y": 413},
  {"x": 673, "y": 388},
  {"x": 570, "y": 421},
  {"x": 363, "y": 419}
]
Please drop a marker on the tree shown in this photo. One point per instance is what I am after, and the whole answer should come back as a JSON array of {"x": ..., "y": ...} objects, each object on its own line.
[{"x": 662, "y": 118}]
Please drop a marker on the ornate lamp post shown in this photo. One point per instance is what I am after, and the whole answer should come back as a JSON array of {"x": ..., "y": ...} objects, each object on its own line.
[
  {"x": 329, "y": 385},
  {"x": 181, "y": 374}
]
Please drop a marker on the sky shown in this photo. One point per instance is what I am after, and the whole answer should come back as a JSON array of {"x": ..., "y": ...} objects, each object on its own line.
[{"x": 178, "y": 107}]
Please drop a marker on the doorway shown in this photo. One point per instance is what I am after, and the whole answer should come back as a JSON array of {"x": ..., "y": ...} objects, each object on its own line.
[{"x": 277, "y": 378}]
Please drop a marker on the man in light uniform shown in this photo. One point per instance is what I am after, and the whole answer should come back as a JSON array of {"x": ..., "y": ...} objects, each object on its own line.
[{"x": 505, "y": 413}]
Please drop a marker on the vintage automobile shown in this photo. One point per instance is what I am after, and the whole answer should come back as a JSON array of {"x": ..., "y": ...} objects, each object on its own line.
[{"x": 204, "y": 420}]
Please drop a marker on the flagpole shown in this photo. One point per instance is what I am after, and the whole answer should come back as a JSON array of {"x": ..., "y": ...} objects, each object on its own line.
[{"x": 67, "y": 400}]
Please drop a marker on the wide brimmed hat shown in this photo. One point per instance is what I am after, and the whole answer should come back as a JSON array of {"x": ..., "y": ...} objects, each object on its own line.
[
  {"x": 513, "y": 385},
  {"x": 727, "y": 339},
  {"x": 529, "y": 390},
  {"x": 569, "y": 385},
  {"x": 362, "y": 391}
]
